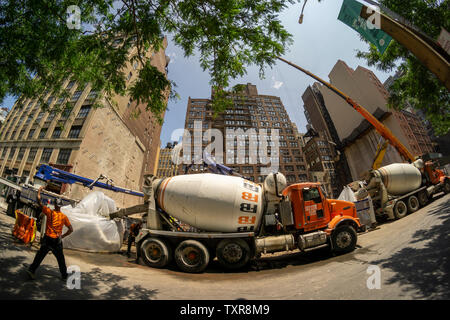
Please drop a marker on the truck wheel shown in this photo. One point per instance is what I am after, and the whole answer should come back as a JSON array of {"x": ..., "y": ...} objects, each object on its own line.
[
  {"x": 233, "y": 253},
  {"x": 423, "y": 198},
  {"x": 400, "y": 209},
  {"x": 413, "y": 204},
  {"x": 156, "y": 253},
  {"x": 344, "y": 239},
  {"x": 447, "y": 186},
  {"x": 191, "y": 256}
]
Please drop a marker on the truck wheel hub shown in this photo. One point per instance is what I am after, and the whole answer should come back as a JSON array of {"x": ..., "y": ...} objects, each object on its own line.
[
  {"x": 153, "y": 252},
  {"x": 343, "y": 239},
  {"x": 232, "y": 252},
  {"x": 190, "y": 256}
]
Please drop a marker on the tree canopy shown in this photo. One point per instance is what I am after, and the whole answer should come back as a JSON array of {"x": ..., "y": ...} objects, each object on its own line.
[
  {"x": 39, "y": 50},
  {"x": 416, "y": 86}
]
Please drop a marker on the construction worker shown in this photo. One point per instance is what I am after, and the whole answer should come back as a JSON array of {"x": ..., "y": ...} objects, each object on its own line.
[
  {"x": 53, "y": 237},
  {"x": 134, "y": 231}
]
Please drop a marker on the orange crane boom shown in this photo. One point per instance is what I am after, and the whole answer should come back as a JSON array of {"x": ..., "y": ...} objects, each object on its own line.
[{"x": 381, "y": 128}]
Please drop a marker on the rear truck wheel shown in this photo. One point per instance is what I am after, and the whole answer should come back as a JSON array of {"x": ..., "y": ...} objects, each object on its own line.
[
  {"x": 413, "y": 204},
  {"x": 447, "y": 186},
  {"x": 233, "y": 253},
  {"x": 191, "y": 256},
  {"x": 423, "y": 198},
  {"x": 344, "y": 239},
  {"x": 400, "y": 209},
  {"x": 156, "y": 252}
]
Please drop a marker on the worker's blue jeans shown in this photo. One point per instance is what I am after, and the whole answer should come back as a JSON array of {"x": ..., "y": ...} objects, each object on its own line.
[{"x": 55, "y": 245}]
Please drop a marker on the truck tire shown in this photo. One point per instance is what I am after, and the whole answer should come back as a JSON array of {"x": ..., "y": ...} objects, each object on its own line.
[
  {"x": 447, "y": 186},
  {"x": 156, "y": 252},
  {"x": 400, "y": 209},
  {"x": 344, "y": 239},
  {"x": 191, "y": 256},
  {"x": 413, "y": 204},
  {"x": 233, "y": 253},
  {"x": 423, "y": 198}
]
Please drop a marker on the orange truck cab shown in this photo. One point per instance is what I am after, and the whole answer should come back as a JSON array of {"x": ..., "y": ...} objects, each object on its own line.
[{"x": 313, "y": 212}]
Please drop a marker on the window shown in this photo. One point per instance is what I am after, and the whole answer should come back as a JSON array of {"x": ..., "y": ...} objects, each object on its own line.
[
  {"x": 50, "y": 117},
  {"x": 312, "y": 194},
  {"x": 92, "y": 95},
  {"x": 75, "y": 132},
  {"x": 11, "y": 153},
  {"x": 13, "y": 135},
  {"x": 56, "y": 133},
  {"x": 303, "y": 177},
  {"x": 76, "y": 95},
  {"x": 63, "y": 156},
  {"x": 289, "y": 168},
  {"x": 65, "y": 114},
  {"x": 21, "y": 153},
  {"x": 31, "y": 133},
  {"x": 70, "y": 85},
  {"x": 46, "y": 154},
  {"x": 42, "y": 133},
  {"x": 290, "y": 178},
  {"x": 84, "y": 111},
  {"x": 39, "y": 117},
  {"x": 247, "y": 170},
  {"x": 32, "y": 154},
  {"x": 4, "y": 153},
  {"x": 21, "y": 135}
]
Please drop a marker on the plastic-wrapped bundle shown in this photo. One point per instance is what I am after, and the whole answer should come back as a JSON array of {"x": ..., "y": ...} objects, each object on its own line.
[{"x": 92, "y": 230}]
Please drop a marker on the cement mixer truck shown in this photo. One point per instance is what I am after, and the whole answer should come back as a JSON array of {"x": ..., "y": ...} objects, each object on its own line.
[
  {"x": 237, "y": 220},
  {"x": 402, "y": 188}
]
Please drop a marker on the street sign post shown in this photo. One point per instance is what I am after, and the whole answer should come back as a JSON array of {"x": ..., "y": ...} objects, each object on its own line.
[{"x": 350, "y": 14}]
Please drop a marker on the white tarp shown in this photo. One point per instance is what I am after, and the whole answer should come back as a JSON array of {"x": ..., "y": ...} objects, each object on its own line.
[
  {"x": 347, "y": 195},
  {"x": 92, "y": 230},
  {"x": 364, "y": 207}
]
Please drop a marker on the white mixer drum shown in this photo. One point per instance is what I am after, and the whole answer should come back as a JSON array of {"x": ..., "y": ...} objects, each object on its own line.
[
  {"x": 400, "y": 178},
  {"x": 212, "y": 202}
]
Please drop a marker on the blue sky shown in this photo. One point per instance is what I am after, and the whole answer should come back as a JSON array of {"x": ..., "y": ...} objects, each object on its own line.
[{"x": 318, "y": 43}]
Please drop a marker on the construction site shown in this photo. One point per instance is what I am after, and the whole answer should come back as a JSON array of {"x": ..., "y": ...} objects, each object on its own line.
[{"x": 243, "y": 205}]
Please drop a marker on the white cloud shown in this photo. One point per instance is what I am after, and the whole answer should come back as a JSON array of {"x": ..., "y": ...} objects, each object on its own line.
[
  {"x": 277, "y": 85},
  {"x": 172, "y": 56}
]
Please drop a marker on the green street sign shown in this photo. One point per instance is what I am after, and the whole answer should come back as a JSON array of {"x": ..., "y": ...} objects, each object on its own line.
[{"x": 350, "y": 15}]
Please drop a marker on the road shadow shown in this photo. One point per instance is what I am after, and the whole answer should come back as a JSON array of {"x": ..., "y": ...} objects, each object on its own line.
[
  {"x": 95, "y": 284},
  {"x": 425, "y": 269}
]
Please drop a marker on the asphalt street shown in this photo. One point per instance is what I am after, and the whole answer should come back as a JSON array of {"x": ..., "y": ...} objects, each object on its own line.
[{"x": 411, "y": 256}]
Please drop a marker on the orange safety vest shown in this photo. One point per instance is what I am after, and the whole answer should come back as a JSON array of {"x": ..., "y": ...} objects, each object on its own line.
[{"x": 24, "y": 228}]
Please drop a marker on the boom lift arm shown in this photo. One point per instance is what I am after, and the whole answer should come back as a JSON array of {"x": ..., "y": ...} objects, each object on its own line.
[
  {"x": 381, "y": 129},
  {"x": 46, "y": 172}
]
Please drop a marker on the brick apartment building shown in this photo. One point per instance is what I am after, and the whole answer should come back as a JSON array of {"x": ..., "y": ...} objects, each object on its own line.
[{"x": 250, "y": 111}]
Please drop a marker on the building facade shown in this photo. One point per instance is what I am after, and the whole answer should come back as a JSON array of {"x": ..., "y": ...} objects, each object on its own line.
[
  {"x": 166, "y": 166},
  {"x": 320, "y": 155},
  {"x": 355, "y": 137},
  {"x": 86, "y": 141},
  {"x": 253, "y": 117}
]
